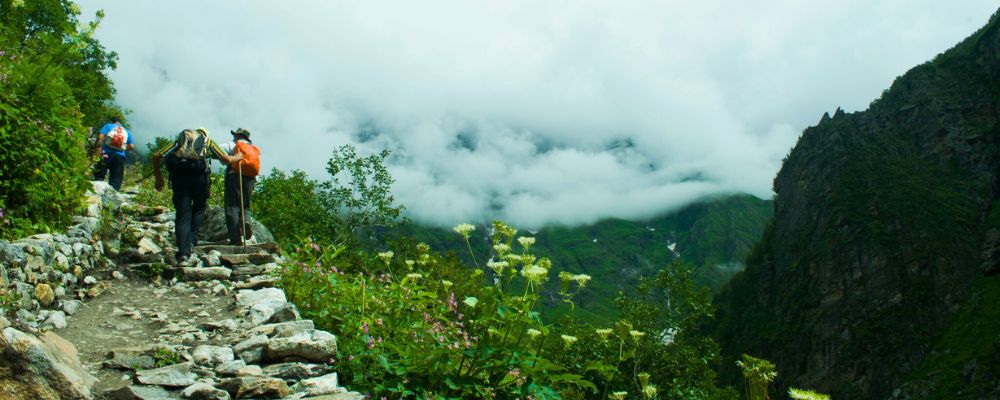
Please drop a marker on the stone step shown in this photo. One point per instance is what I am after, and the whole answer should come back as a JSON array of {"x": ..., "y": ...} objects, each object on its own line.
[
  {"x": 243, "y": 272},
  {"x": 230, "y": 249},
  {"x": 238, "y": 260},
  {"x": 206, "y": 274}
]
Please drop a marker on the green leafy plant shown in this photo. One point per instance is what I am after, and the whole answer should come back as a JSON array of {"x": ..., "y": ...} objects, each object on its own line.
[
  {"x": 758, "y": 375},
  {"x": 803, "y": 394},
  {"x": 165, "y": 356}
]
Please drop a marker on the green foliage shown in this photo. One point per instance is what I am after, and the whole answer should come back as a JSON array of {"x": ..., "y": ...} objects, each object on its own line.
[
  {"x": 146, "y": 194},
  {"x": 165, "y": 356},
  {"x": 346, "y": 209},
  {"x": 803, "y": 394},
  {"x": 291, "y": 207},
  {"x": 53, "y": 85},
  {"x": 715, "y": 235},
  {"x": 359, "y": 190},
  {"x": 964, "y": 359},
  {"x": 758, "y": 375},
  {"x": 414, "y": 324}
]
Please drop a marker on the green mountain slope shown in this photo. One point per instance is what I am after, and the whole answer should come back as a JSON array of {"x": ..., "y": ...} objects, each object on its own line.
[
  {"x": 715, "y": 235},
  {"x": 870, "y": 281}
]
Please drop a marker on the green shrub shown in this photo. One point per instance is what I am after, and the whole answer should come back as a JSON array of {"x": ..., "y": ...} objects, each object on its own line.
[
  {"x": 53, "y": 85},
  {"x": 291, "y": 208}
]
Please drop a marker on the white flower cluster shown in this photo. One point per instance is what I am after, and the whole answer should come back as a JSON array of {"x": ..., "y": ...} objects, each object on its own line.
[
  {"x": 535, "y": 273},
  {"x": 498, "y": 267},
  {"x": 464, "y": 229}
]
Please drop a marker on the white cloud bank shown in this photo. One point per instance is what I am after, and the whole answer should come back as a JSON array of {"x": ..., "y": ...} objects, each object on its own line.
[{"x": 533, "y": 112}]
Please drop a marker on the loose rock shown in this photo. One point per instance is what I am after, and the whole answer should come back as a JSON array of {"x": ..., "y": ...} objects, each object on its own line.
[
  {"x": 312, "y": 345},
  {"x": 44, "y": 294},
  {"x": 212, "y": 355},
  {"x": 177, "y": 375}
]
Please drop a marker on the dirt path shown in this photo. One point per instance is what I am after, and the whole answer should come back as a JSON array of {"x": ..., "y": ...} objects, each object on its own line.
[{"x": 136, "y": 313}]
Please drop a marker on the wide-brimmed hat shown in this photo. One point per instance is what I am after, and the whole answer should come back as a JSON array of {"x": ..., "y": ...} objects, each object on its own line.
[{"x": 241, "y": 132}]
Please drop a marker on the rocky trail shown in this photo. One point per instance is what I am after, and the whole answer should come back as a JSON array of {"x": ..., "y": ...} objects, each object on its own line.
[{"x": 95, "y": 322}]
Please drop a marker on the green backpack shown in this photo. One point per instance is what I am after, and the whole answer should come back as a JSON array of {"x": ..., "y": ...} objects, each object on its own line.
[{"x": 190, "y": 155}]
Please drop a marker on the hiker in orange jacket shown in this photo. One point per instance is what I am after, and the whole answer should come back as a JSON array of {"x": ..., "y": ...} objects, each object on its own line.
[{"x": 237, "y": 194}]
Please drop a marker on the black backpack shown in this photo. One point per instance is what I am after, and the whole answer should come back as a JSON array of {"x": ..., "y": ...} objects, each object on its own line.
[{"x": 190, "y": 155}]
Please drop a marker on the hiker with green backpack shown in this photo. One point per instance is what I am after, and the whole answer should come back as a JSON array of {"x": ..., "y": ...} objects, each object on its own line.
[{"x": 188, "y": 165}]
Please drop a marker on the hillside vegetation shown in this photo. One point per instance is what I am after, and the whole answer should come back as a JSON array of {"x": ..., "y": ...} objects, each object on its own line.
[
  {"x": 53, "y": 84},
  {"x": 714, "y": 235}
]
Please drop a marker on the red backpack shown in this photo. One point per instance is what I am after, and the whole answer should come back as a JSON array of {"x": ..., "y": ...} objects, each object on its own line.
[{"x": 116, "y": 138}]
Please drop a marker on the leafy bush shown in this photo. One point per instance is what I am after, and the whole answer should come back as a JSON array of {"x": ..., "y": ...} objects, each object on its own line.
[
  {"x": 291, "y": 208},
  {"x": 347, "y": 209}
]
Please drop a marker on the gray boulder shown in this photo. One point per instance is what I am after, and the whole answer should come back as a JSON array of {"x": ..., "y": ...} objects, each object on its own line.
[
  {"x": 47, "y": 367},
  {"x": 312, "y": 345},
  {"x": 140, "y": 393},
  {"x": 204, "y": 391},
  {"x": 177, "y": 375},
  {"x": 214, "y": 228},
  {"x": 211, "y": 356}
]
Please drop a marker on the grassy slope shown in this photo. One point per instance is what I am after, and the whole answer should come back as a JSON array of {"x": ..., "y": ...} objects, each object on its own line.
[{"x": 715, "y": 235}]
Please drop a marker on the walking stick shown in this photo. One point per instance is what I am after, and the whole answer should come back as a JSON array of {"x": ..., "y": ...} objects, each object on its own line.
[{"x": 243, "y": 224}]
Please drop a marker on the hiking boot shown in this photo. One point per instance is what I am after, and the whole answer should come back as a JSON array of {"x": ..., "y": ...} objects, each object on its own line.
[
  {"x": 247, "y": 231},
  {"x": 182, "y": 261}
]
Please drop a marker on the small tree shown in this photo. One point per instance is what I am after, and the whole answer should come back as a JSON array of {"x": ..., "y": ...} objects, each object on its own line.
[{"x": 359, "y": 190}]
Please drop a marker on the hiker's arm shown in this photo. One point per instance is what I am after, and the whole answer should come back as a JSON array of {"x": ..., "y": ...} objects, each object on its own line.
[
  {"x": 233, "y": 158},
  {"x": 157, "y": 159},
  {"x": 222, "y": 156},
  {"x": 97, "y": 144}
]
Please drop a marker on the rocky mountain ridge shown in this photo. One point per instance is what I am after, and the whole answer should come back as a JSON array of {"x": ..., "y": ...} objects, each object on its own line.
[{"x": 881, "y": 221}]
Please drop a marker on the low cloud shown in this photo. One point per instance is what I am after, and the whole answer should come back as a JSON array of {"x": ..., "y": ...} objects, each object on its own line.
[{"x": 537, "y": 113}]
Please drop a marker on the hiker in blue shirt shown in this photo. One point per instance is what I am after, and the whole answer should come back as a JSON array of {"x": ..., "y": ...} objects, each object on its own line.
[{"x": 115, "y": 140}]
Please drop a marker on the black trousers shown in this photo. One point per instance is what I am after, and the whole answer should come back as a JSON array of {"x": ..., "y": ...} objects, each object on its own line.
[
  {"x": 234, "y": 219},
  {"x": 113, "y": 163},
  {"x": 190, "y": 201}
]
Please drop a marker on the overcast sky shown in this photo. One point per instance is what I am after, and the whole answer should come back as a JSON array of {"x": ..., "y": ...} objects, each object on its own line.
[{"x": 535, "y": 112}]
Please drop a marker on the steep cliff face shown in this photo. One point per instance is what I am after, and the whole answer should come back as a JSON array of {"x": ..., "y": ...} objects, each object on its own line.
[{"x": 875, "y": 250}]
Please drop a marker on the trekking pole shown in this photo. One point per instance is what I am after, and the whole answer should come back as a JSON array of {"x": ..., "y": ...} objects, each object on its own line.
[{"x": 243, "y": 224}]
